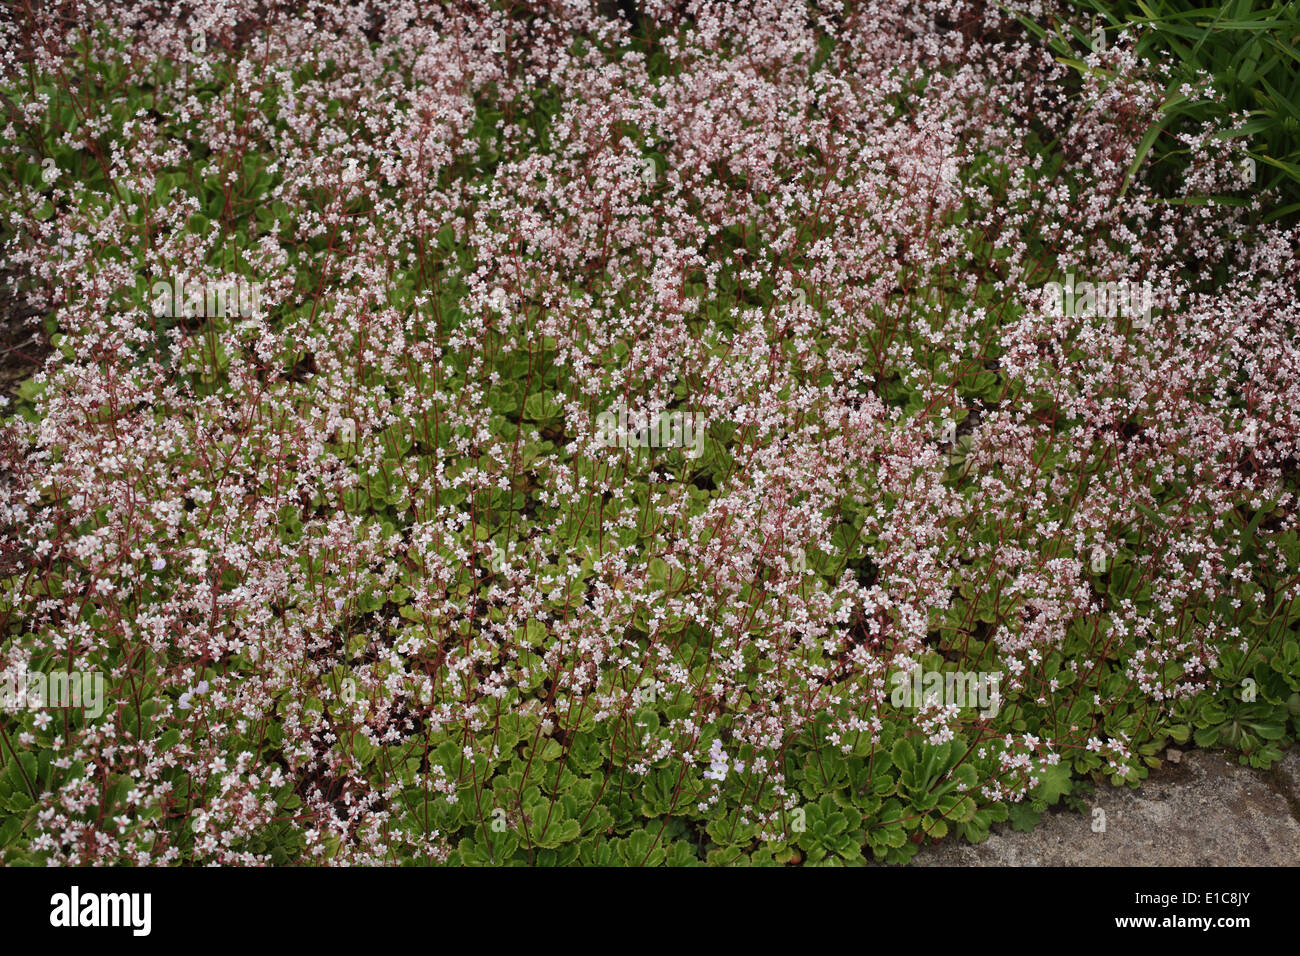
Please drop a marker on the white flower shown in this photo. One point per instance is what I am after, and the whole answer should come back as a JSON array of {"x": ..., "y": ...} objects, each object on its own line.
[{"x": 718, "y": 766}]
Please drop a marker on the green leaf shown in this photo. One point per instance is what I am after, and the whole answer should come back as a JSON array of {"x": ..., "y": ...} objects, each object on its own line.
[{"x": 1053, "y": 783}]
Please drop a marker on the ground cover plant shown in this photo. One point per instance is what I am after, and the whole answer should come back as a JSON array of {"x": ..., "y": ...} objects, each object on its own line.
[{"x": 671, "y": 433}]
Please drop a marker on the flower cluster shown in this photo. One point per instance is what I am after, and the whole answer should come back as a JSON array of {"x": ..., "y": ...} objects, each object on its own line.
[{"x": 369, "y": 580}]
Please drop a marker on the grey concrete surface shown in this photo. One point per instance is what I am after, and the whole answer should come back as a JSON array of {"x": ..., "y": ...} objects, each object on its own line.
[{"x": 1200, "y": 808}]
